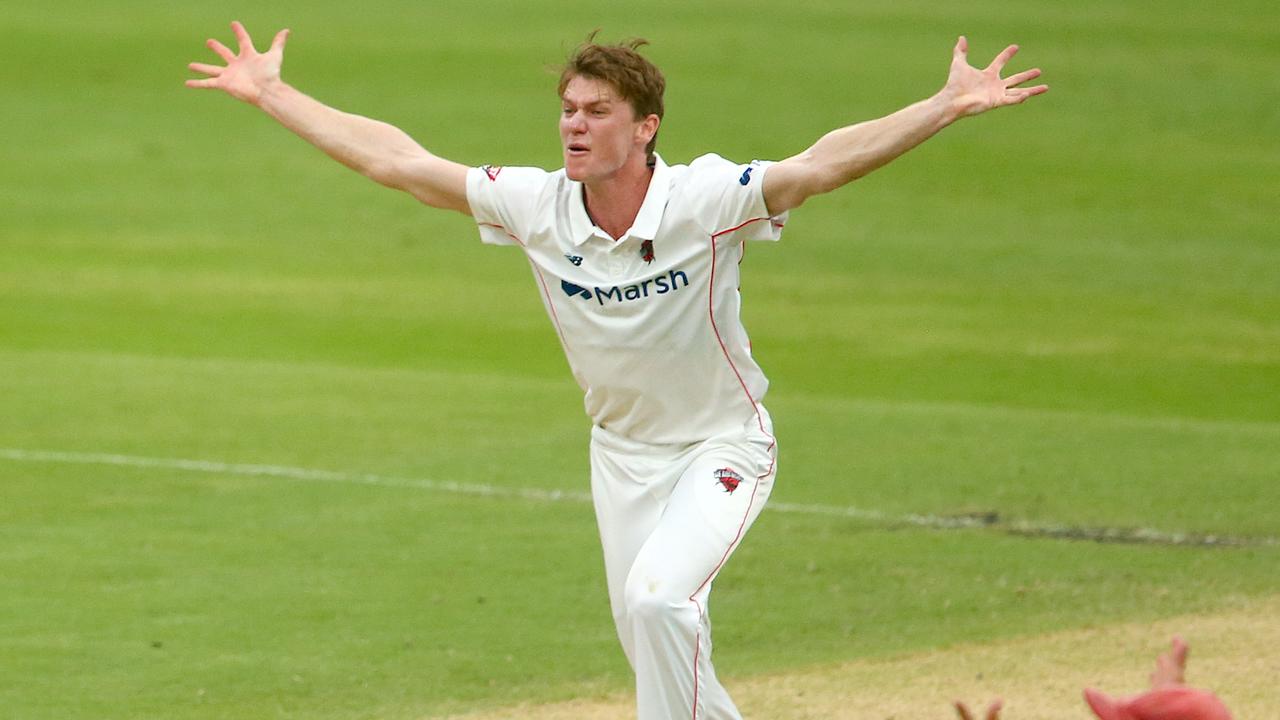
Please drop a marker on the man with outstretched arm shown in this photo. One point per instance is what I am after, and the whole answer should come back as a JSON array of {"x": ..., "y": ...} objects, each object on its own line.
[{"x": 637, "y": 265}]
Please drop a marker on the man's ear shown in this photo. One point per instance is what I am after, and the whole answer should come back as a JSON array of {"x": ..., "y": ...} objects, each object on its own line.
[{"x": 647, "y": 129}]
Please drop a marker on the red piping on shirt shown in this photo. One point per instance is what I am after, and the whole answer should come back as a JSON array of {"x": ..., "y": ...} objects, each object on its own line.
[
  {"x": 711, "y": 312},
  {"x": 541, "y": 281}
]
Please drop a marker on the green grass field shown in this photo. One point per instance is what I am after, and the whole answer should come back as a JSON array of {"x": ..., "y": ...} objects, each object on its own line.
[{"x": 1066, "y": 313}]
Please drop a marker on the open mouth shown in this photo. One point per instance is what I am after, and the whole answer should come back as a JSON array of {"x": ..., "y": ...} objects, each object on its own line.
[{"x": 577, "y": 149}]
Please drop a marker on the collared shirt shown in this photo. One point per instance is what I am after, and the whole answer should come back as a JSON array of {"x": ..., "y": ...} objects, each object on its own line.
[{"x": 650, "y": 321}]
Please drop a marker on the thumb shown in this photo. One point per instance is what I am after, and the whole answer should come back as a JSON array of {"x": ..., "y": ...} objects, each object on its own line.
[
  {"x": 277, "y": 43},
  {"x": 961, "y": 51}
]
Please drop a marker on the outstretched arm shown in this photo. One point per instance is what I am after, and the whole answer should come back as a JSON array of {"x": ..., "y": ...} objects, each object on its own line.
[
  {"x": 375, "y": 149},
  {"x": 844, "y": 155}
]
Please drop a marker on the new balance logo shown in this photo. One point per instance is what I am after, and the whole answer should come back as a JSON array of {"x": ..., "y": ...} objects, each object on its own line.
[
  {"x": 661, "y": 285},
  {"x": 575, "y": 259}
]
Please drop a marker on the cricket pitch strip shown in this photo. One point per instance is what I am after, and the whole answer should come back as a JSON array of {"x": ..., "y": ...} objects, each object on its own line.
[{"x": 1235, "y": 652}]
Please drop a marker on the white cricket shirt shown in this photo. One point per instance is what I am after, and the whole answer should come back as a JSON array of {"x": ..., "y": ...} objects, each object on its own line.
[{"x": 649, "y": 321}]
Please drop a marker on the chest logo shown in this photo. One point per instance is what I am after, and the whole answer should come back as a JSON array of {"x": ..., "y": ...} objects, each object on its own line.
[
  {"x": 646, "y": 251},
  {"x": 575, "y": 259},
  {"x": 570, "y": 289},
  {"x": 668, "y": 282}
]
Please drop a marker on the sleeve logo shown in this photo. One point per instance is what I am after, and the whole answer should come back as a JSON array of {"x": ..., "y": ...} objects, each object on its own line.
[{"x": 492, "y": 171}]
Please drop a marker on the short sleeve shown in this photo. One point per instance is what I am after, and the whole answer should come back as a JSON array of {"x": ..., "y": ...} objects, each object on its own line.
[
  {"x": 730, "y": 198},
  {"x": 503, "y": 200}
]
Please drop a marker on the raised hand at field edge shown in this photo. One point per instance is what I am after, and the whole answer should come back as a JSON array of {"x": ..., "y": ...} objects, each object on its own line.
[
  {"x": 1168, "y": 699},
  {"x": 993, "y": 710},
  {"x": 1171, "y": 667},
  {"x": 246, "y": 74}
]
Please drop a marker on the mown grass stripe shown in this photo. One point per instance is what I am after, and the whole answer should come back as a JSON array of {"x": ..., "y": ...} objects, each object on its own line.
[
  {"x": 897, "y": 406},
  {"x": 990, "y": 520}
]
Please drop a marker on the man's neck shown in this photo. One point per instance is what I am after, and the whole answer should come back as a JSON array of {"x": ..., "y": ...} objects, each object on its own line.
[{"x": 614, "y": 203}]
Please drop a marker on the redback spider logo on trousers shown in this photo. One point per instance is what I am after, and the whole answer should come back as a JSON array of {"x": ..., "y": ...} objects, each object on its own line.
[{"x": 728, "y": 479}]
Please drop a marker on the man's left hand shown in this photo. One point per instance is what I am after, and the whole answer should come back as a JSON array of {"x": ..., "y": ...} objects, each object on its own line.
[{"x": 973, "y": 91}]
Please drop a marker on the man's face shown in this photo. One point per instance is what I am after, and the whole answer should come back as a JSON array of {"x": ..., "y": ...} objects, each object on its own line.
[{"x": 599, "y": 131}]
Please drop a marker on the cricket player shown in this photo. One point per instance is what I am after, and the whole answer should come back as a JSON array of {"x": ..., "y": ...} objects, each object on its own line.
[{"x": 636, "y": 262}]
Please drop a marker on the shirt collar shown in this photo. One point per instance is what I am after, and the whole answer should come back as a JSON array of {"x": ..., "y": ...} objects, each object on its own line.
[{"x": 647, "y": 220}]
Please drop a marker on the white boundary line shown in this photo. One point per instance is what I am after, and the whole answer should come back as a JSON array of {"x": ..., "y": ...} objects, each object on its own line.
[
  {"x": 287, "y": 472},
  {"x": 937, "y": 522}
]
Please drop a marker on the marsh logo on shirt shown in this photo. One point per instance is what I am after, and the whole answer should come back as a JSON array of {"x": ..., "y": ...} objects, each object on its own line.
[
  {"x": 570, "y": 289},
  {"x": 660, "y": 285}
]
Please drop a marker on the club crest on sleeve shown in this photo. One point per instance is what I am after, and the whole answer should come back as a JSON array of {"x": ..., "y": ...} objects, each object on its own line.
[
  {"x": 646, "y": 251},
  {"x": 746, "y": 175},
  {"x": 728, "y": 479},
  {"x": 492, "y": 171}
]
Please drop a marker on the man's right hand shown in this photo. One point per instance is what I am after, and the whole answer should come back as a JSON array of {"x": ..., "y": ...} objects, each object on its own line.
[
  {"x": 377, "y": 150},
  {"x": 245, "y": 75}
]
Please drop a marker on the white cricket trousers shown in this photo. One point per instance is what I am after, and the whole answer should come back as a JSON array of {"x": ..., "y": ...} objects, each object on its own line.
[{"x": 669, "y": 517}]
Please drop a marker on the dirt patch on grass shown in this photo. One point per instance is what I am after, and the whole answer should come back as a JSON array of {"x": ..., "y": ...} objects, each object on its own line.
[{"x": 1235, "y": 652}]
